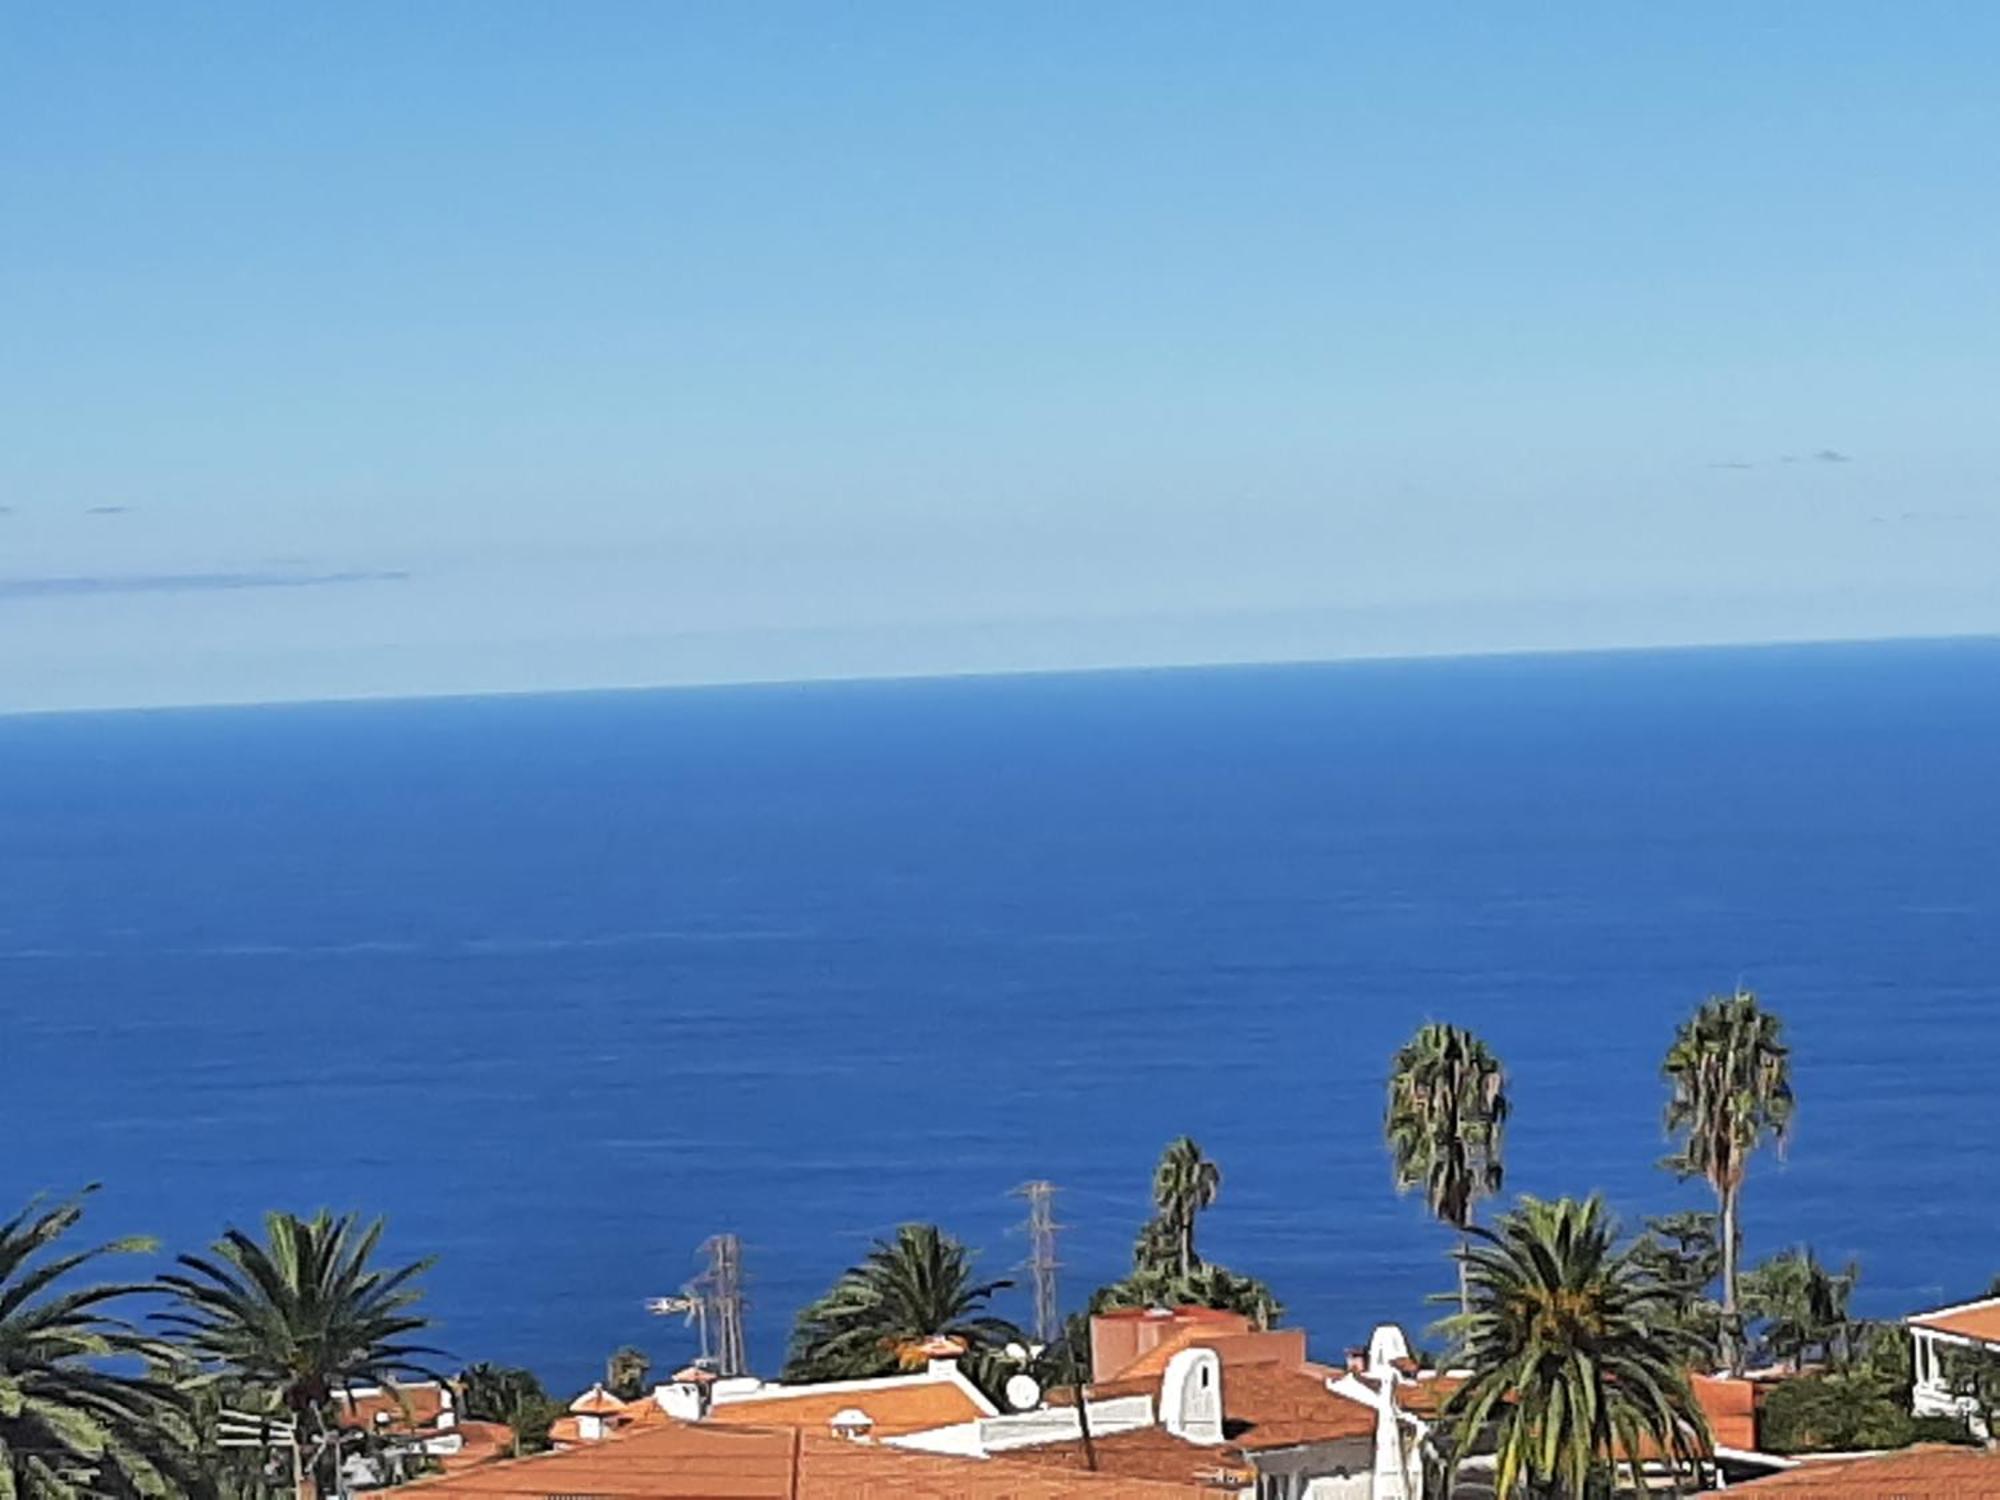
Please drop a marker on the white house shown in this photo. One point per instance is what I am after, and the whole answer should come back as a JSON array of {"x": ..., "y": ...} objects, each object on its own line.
[{"x": 1934, "y": 1337}]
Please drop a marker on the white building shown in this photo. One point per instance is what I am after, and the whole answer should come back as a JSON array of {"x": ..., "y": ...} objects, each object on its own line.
[{"x": 1935, "y": 1337}]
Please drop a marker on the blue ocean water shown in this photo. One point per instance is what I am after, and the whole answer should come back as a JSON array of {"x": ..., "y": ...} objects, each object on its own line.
[{"x": 563, "y": 985}]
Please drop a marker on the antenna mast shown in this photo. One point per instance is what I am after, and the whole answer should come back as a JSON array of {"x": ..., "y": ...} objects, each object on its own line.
[
  {"x": 1042, "y": 1263},
  {"x": 721, "y": 1289}
]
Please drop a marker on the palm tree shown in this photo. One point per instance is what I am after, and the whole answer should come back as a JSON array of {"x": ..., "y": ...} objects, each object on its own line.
[
  {"x": 1803, "y": 1306},
  {"x": 68, "y": 1426},
  {"x": 1184, "y": 1183},
  {"x": 879, "y": 1316},
  {"x": 625, "y": 1373},
  {"x": 1577, "y": 1367},
  {"x": 1447, "y": 1110},
  {"x": 303, "y": 1315},
  {"x": 1731, "y": 1079}
]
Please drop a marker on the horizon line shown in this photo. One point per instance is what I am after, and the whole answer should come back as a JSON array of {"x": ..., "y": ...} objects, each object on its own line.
[{"x": 1101, "y": 669}]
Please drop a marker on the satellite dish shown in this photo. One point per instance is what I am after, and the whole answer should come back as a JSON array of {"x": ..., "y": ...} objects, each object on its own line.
[
  {"x": 1017, "y": 1352},
  {"x": 1022, "y": 1392}
]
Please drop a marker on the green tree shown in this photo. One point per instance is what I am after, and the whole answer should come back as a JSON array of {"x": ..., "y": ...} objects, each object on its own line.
[
  {"x": 1447, "y": 1112},
  {"x": 625, "y": 1373},
  {"x": 1730, "y": 1076},
  {"x": 878, "y": 1316},
  {"x": 1681, "y": 1251},
  {"x": 70, "y": 1425},
  {"x": 1802, "y": 1307},
  {"x": 1166, "y": 1270},
  {"x": 511, "y": 1395},
  {"x": 1184, "y": 1184},
  {"x": 1865, "y": 1407},
  {"x": 300, "y": 1316},
  {"x": 1210, "y": 1285},
  {"x": 1577, "y": 1368}
]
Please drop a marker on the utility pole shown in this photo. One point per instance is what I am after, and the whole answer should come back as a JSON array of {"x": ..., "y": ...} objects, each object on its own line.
[
  {"x": 721, "y": 1289},
  {"x": 1041, "y": 1230}
]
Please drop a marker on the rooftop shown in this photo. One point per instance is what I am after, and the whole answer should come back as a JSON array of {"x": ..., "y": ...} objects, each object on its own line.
[
  {"x": 1978, "y": 1321},
  {"x": 686, "y": 1461},
  {"x": 1913, "y": 1474}
]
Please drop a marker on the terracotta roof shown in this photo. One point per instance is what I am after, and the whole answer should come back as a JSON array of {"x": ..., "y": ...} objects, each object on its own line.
[
  {"x": 1974, "y": 1320},
  {"x": 1282, "y": 1347},
  {"x": 1151, "y": 1454},
  {"x": 1267, "y": 1407},
  {"x": 597, "y": 1401},
  {"x": 1913, "y": 1474},
  {"x": 895, "y": 1409},
  {"x": 1264, "y": 1406},
  {"x": 687, "y": 1461},
  {"x": 480, "y": 1442},
  {"x": 1185, "y": 1314},
  {"x": 407, "y": 1406}
]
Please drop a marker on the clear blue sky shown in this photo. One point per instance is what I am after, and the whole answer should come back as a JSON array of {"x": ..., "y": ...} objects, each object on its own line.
[{"x": 381, "y": 348}]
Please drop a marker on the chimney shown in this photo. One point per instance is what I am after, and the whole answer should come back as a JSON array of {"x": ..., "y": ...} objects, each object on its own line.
[
  {"x": 1191, "y": 1396},
  {"x": 941, "y": 1353},
  {"x": 1390, "y": 1479},
  {"x": 688, "y": 1395}
]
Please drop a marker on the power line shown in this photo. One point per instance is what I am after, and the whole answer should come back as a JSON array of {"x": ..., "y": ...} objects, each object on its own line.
[{"x": 1042, "y": 1263}]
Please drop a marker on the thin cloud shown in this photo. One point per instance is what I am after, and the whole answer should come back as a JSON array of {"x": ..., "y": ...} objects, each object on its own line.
[
  {"x": 1822, "y": 456},
  {"x": 85, "y": 585},
  {"x": 106, "y": 510}
]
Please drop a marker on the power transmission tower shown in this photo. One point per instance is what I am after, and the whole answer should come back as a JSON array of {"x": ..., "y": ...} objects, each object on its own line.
[
  {"x": 1042, "y": 1263},
  {"x": 721, "y": 1287}
]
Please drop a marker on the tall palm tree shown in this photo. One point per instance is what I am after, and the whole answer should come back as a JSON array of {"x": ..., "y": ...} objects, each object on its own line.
[
  {"x": 1184, "y": 1183},
  {"x": 68, "y": 1425},
  {"x": 1577, "y": 1367},
  {"x": 877, "y": 1318},
  {"x": 1447, "y": 1111},
  {"x": 1731, "y": 1081},
  {"x": 302, "y": 1315}
]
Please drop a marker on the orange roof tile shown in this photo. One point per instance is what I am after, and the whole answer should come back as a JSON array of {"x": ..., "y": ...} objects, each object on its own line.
[
  {"x": 597, "y": 1402},
  {"x": 1151, "y": 1454},
  {"x": 406, "y": 1406},
  {"x": 1975, "y": 1320},
  {"x": 1913, "y": 1474},
  {"x": 894, "y": 1409},
  {"x": 1286, "y": 1346},
  {"x": 700, "y": 1461},
  {"x": 1264, "y": 1406},
  {"x": 480, "y": 1442}
]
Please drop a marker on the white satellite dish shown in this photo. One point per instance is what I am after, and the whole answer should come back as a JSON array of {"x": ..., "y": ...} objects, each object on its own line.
[
  {"x": 1022, "y": 1392},
  {"x": 1017, "y": 1352}
]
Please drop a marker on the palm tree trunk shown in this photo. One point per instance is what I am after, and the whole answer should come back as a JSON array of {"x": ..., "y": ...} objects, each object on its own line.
[
  {"x": 1464, "y": 1273},
  {"x": 1187, "y": 1241},
  {"x": 1732, "y": 1343}
]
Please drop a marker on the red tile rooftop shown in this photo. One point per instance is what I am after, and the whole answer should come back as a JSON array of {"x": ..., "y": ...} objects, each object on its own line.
[
  {"x": 682, "y": 1461},
  {"x": 1912, "y": 1474},
  {"x": 1972, "y": 1320}
]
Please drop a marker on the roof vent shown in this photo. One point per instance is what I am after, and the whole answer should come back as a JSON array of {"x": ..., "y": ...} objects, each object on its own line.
[{"x": 852, "y": 1423}]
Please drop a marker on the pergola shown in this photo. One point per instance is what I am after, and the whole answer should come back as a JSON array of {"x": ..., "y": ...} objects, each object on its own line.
[{"x": 1933, "y": 1336}]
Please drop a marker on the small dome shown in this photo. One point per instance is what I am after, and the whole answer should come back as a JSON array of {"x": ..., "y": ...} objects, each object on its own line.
[
  {"x": 596, "y": 1402},
  {"x": 851, "y": 1422}
]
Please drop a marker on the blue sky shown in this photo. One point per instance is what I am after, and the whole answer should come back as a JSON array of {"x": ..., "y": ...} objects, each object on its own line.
[{"x": 380, "y": 348}]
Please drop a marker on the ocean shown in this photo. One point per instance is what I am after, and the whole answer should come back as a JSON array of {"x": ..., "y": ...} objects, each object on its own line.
[{"x": 563, "y": 985}]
